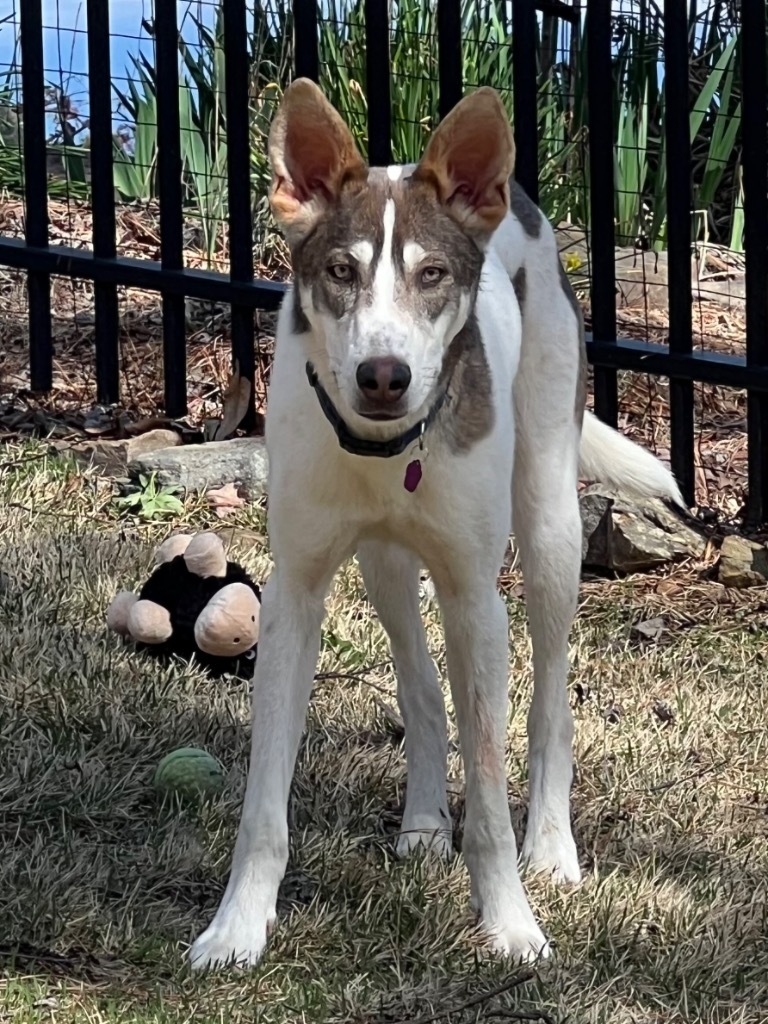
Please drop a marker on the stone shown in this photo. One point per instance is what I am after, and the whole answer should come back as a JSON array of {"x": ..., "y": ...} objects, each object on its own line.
[
  {"x": 628, "y": 534},
  {"x": 743, "y": 563},
  {"x": 113, "y": 456},
  {"x": 202, "y": 467},
  {"x": 642, "y": 278},
  {"x": 152, "y": 440}
]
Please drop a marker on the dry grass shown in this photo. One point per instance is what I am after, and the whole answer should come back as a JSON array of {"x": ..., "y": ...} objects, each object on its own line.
[{"x": 103, "y": 887}]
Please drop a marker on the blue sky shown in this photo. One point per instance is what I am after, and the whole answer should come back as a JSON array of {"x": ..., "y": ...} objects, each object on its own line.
[
  {"x": 65, "y": 47},
  {"x": 65, "y": 43}
]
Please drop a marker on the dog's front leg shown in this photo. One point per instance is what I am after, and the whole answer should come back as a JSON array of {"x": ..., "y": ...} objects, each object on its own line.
[
  {"x": 291, "y": 617},
  {"x": 476, "y": 631}
]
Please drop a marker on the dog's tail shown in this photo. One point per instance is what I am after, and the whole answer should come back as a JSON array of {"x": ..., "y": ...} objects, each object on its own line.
[{"x": 610, "y": 458}]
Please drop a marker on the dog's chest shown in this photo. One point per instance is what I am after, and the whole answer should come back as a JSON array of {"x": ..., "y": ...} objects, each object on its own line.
[
  {"x": 397, "y": 490},
  {"x": 372, "y": 495}
]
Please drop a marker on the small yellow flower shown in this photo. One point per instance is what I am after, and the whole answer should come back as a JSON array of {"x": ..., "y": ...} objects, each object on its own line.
[{"x": 573, "y": 262}]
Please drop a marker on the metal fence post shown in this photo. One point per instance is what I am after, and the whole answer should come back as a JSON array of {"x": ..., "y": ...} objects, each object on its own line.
[
  {"x": 755, "y": 163},
  {"x": 169, "y": 172},
  {"x": 678, "y": 143},
  {"x": 377, "y": 82},
  {"x": 449, "y": 60},
  {"x": 237, "y": 73},
  {"x": 306, "y": 58},
  {"x": 36, "y": 192},
  {"x": 525, "y": 78},
  {"x": 601, "y": 199},
  {"x": 107, "y": 323}
]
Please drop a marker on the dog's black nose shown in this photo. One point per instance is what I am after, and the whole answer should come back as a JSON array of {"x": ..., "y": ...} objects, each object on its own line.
[{"x": 384, "y": 380}]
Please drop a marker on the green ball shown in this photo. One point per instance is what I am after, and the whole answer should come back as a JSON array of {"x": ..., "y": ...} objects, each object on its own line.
[{"x": 190, "y": 773}]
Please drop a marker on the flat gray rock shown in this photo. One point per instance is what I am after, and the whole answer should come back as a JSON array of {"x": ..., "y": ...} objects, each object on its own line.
[
  {"x": 643, "y": 277},
  {"x": 202, "y": 467},
  {"x": 743, "y": 563},
  {"x": 631, "y": 535}
]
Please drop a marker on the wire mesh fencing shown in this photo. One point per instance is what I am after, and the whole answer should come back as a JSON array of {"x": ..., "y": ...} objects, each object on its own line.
[{"x": 141, "y": 261}]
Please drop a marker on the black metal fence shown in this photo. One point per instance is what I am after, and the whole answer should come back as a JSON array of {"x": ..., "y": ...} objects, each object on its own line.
[{"x": 679, "y": 361}]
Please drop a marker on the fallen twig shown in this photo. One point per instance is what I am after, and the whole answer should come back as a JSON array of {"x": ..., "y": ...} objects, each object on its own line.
[
  {"x": 662, "y": 786},
  {"x": 358, "y": 675},
  {"x": 484, "y": 997},
  {"x": 521, "y": 1015}
]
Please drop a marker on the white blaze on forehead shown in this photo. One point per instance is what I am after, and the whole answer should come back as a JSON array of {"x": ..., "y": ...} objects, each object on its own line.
[
  {"x": 384, "y": 279},
  {"x": 394, "y": 172},
  {"x": 362, "y": 252},
  {"x": 413, "y": 254}
]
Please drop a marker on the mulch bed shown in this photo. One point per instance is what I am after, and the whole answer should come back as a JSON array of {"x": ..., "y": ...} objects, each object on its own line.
[{"x": 70, "y": 406}]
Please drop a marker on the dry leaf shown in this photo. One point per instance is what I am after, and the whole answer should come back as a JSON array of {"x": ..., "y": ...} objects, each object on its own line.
[
  {"x": 663, "y": 712},
  {"x": 235, "y": 400},
  {"x": 613, "y": 714},
  {"x": 225, "y": 500},
  {"x": 650, "y": 629},
  {"x": 668, "y": 588}
]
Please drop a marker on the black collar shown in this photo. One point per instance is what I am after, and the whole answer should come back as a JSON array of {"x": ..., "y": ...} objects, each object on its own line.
[{"x": 361, "y": 445}]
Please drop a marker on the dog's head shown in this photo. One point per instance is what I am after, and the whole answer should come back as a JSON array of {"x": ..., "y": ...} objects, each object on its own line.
[{"x": 386, "y": 263}]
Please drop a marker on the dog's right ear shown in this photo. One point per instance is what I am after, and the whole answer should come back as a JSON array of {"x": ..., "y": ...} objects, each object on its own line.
[{"x": 312, "y": 154}]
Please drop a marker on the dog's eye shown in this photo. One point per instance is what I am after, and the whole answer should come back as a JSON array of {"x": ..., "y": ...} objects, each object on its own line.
[
  {"x": 341, "y": 272},
  {"x": 431, "y": 275}
]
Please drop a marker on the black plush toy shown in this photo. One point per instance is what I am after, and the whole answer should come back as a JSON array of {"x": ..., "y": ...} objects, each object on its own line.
[{"x": 195, "y": 603}]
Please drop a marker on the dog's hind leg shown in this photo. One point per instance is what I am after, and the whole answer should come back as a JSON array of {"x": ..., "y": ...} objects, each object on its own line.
[
  {"x": 476, "y": 637},
  {"x": 547, "y": 529},
  {"x": 391, "y": 575}
]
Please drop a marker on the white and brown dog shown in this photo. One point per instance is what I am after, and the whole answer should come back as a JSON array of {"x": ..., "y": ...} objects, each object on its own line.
[{"x": 428, "y": 390}]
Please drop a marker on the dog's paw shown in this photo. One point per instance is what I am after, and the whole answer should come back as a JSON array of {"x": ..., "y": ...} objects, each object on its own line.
[
  {"x": 521, "y": 941},
  {"x": 425, "y": 834},
  {"x": 232, "y": 940},
  {"x": 553, "y": 854}
]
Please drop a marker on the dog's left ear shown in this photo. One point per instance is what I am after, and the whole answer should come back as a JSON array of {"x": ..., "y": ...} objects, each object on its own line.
[
  {"x": 469, "y": 161},
  {"x": 312, "y": 154}
]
